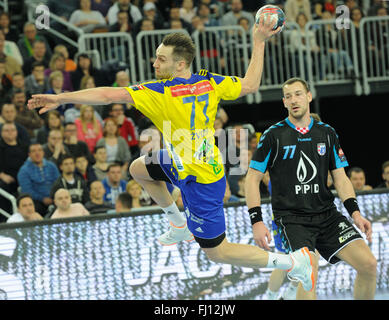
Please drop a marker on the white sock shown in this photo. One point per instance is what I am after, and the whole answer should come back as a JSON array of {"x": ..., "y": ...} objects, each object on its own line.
[
  {"x": 174, "y": 215},
  {"x": 279, "y": 261},
  {"x": 271, "y": 295}
]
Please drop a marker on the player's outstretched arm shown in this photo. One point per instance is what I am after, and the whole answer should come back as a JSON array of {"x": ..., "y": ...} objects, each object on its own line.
[
  {"x": 261, "y": 32},
  {"x": 94, "y": 96}
]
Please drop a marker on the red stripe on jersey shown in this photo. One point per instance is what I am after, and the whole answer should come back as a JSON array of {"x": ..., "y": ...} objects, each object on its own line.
[{"x": 193, "y": 89}]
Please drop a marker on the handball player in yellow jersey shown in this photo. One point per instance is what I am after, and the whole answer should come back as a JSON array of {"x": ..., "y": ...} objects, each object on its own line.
[{"x": 183, "y": 107}]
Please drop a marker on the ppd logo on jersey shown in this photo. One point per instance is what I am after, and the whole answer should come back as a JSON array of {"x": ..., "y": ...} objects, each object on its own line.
[{"x": 306, "y": 172}]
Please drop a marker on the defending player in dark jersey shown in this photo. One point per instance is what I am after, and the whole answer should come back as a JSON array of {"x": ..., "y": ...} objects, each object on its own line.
[{"x": 298, "y": 152}]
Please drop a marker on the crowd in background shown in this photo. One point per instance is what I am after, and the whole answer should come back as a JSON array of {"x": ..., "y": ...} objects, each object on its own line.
[{"x": 74, "y": 160}]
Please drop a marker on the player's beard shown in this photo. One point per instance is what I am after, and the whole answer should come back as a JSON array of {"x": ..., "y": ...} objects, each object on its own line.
[{"x": 165, "y": 74}]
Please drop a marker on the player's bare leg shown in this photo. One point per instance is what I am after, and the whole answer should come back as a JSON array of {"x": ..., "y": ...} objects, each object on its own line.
[
  {"x": 178, "y": 229},
  {"x": 359, "y": 256},
  {"x": 156, "y": 189}
]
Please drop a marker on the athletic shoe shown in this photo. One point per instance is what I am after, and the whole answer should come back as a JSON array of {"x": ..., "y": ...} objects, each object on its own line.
[
  {"x": 270, "y": 295},
  {"x": 175, "y": 235},
  {"x": 302, "y": 268},
  {"x": 290, "y": 292}
]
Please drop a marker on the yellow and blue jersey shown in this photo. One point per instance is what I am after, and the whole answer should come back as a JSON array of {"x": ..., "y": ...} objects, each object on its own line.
[{"x": 184, "y": 111}]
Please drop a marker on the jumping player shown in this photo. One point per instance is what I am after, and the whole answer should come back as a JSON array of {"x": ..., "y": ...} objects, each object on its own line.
[{"x": 183, "y": 107}]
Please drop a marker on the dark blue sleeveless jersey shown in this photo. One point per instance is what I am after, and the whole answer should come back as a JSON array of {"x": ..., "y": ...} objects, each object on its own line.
[{"x": 298, "y": 165}]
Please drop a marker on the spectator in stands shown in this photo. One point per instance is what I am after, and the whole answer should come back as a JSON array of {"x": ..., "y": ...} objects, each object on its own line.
[
  {"x": 30, "y": 35},
  {"x": 127, "y": 127},
  {"x": 356, "y": 15},
  {"x": 102, "y": 6},
  {"x": 237, "y": 172},
  {"x": 5, "y": 82},
  {"x": 52, "y": 121},
  {"x": 174, "y": 14},
  {"x": 10, "y": 31},
  {"x": 358, "y": 179},
  {"x": 134, "y": 13},
  {"x": 134, "y": 189},
  {"x": 84, "y": 169},
  {"x": 26, "y": 210},
  {"x": 8, "y": 115},
  {"x": 13, "y": 153},
  {"x": 55, "y": 87},
  {"x": 26, "y": 117},
  {"x": 122, "y": 24},
  {"x": 84, "y": 68},
  {"x": 11, "y": 49},
  {"x": 57, "y": 62},
  {"x": 113, "y": 183},
  {"x": 75, "y": 146},
  {"x": 89, "y": 128},
  {"x": 385, "y": 175},
  {"x": 374, "y": 7},
  {"x": 187, "y": 10},
  {"x": 85, "y": 18},
  {"x": 231, "y": 18},
  {"x": 123, "y": 203},
  {"x": 11, "y": 64},
  {"x": 88, "y": 82},
  {"x": 37, "y": 82},
  {"x": 54, "y": 149},
  {"x": 65, "y": 207},
  {"x": 151, "y": 12},
  {"x": 36, "y": 177},
  {"x": 70, "y": 181},
  {"x": 122, "y": 79},
  {"x": 38, "y": 55},
  {"x": 116, "y": 146},
  {"x": 321, "y": 6},
  {"x": 101, "y": 165},
  {"x": 96, "y": 203},
  {"x": 294, "y": 7},
  {"x": 337, "y": 61},
  {"x": 72, "y": 114},
  {"x": 63, "y": 9},
  {"x": 351, "y": 4},
  {"x": 18, "y": 81},
  {"x": 204, "y": 12},
  {"x": 70, "y": 65}
]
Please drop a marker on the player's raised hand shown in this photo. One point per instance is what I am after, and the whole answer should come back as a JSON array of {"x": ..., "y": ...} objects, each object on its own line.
[
  {"x": 264, "y": 29},
  {"x": 261, "y": 235},
  {"x": 46, "y": 101}
]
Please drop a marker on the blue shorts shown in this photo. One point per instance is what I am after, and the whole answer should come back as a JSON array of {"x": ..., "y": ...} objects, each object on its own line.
[{"x": 203, "y": 203}]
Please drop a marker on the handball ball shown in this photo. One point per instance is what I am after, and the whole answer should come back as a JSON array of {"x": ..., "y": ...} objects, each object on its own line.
[{"x": 272, "y": 11}]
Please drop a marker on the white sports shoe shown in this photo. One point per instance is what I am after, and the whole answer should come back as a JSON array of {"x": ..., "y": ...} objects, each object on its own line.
[
  {"x": 290, "y": 292},
  {"x": 175, "y": 235},
  {"x": 302, "y": 268}
]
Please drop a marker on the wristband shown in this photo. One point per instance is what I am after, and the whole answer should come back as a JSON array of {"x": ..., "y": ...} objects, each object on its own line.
[
  {"x": 351, "y": 205},
  {"x": 255, "y": 214}
]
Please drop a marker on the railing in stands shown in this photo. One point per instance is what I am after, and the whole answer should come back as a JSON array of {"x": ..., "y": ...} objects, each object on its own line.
[
  {"x": 57, "y": 25},
  {"x": 12, "y": 199},
  {"x": 111, "y": 46},
  {"x": 4, "y": 5},
  {"x": 375, "y": 58}
]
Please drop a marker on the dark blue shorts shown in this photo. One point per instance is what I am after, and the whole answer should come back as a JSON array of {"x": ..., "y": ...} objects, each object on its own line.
[{"x": 203, "y": 203}]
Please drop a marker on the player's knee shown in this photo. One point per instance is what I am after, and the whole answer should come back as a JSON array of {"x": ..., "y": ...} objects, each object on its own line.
[
  {"x": 216, "y": 254},
  {"x": 368, "y": 268},
  {"x": 137, "y": 168}
]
